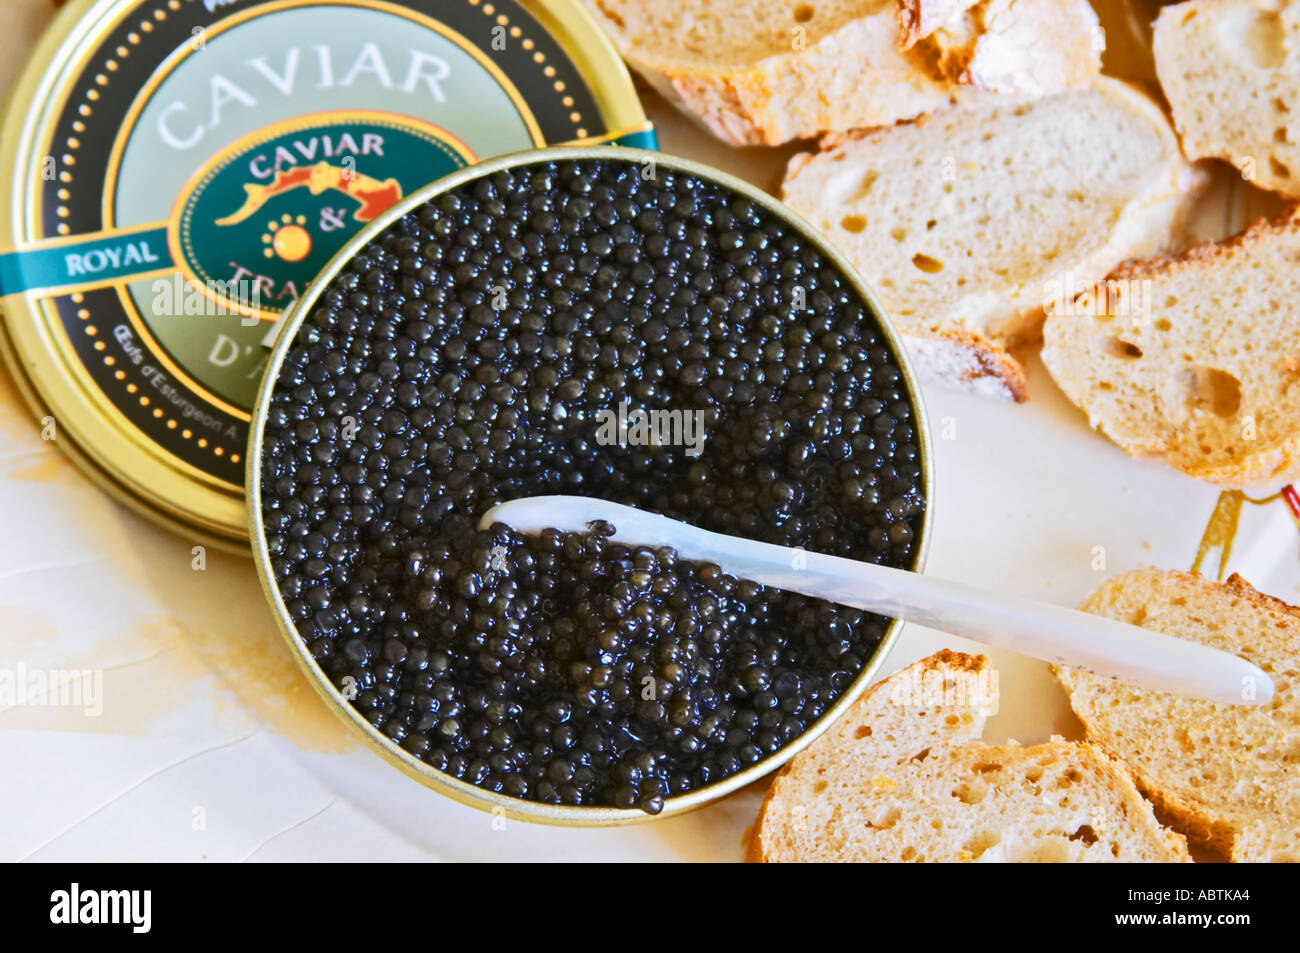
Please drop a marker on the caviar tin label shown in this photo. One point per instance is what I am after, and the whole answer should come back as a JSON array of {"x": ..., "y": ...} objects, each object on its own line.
[{"x": 181, "y": 170}]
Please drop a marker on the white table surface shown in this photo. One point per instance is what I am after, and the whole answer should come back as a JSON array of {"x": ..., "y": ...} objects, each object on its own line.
[{"x": 211, "y": 746}]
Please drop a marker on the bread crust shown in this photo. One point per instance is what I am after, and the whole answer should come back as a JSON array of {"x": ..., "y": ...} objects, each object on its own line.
[
  {"x": 985, "y": 362},
  {"x": 1209, "y": 253}
]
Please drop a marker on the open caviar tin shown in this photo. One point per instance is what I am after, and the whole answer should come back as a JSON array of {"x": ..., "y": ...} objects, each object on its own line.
[
  {"x": 178, "y": 171},
  {"x": 462, "y": 791}
]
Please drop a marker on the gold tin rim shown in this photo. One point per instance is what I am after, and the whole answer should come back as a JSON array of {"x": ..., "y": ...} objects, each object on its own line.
[
  {"x": 461, "y": 791},
  {"x": 100, "y": 441},
  {"x": 572, "y": 26}
]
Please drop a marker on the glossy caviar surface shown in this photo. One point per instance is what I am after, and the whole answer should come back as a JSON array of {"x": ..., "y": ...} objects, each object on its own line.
[{"x": 475, "y": 353}]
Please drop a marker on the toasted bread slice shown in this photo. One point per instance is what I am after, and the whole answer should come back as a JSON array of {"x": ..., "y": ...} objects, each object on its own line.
[
  {"x": 1231, "y": 72},
  {"x": 901, "y": 778},
  {"x": 1194, "y": 358},
  {"x": 767, "y": 71},
  {"x": 965, "y": 223},
  {"x": 1228, "y": 776}
]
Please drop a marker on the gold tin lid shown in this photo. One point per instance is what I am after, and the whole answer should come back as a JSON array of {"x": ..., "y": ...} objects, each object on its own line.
[{"x": 179, "y": 171}]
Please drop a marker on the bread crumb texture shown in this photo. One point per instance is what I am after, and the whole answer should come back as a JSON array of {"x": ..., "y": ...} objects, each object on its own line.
[
  {"x": 1231, "y": 72},
  {"x": 968, "y": 224},
  {"x": 1194, "y": 358}
]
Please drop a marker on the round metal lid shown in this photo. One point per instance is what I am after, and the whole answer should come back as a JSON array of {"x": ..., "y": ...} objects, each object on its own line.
[{"x": 179, "y": 171}]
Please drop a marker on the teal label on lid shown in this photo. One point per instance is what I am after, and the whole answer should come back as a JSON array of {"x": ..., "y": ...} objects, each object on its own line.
[{"x": 270, "y": 213}]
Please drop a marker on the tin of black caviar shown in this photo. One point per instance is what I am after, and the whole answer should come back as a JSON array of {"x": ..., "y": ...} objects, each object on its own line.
[
  {"x": 362, "y": 572},
  {"x": 179, "y": 171}
]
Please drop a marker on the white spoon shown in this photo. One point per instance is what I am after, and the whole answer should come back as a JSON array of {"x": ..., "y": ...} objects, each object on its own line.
[{"x": 1039, "y": 629}]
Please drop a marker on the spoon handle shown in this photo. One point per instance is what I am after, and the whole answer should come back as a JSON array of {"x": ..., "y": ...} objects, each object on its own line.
[{"x": 1056, "y": 634}]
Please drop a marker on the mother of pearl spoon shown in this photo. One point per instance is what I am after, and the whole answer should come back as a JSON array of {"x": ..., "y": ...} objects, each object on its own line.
[{"x": 1038, "y": 629}]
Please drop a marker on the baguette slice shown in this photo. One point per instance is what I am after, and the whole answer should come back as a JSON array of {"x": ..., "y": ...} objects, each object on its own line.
[
  {"x": 901, "y": 777},
  {"x": 767, "y": 71},
  {"x": 1231, "y": 72},
  {"x": 1228, "y": 776},
  {"x": 1194, "y": 358},
  {"x": 964, "y": 224}
]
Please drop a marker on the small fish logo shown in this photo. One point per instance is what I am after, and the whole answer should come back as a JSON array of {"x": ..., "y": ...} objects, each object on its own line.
[{"x": 375, "y": 197}]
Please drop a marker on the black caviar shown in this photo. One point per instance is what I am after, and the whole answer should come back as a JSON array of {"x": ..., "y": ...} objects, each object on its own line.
[{"x": 467, "y": 357}]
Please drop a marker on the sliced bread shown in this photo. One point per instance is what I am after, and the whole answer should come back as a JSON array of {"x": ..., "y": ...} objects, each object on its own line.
[
  {"x": 1231, "y": 72},
  {"x": 1194, "y": 358},
  {"x": 767, "y": 71},
  {"x": 1228, "y": 776},
  {"x": 966, "y": 224},
  {"x": 901, "y": 777}
]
